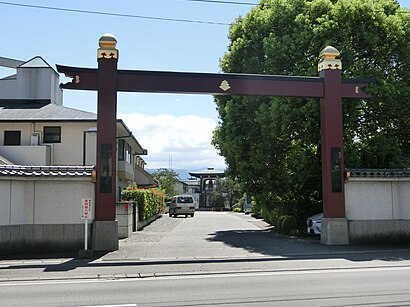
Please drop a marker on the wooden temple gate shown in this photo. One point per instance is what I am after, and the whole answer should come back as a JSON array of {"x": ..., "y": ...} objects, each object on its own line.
[{"x": 108, "y": 80}]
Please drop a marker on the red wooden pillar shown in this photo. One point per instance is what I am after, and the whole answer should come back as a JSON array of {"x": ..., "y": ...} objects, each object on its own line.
[
  {"x": 334, "y": 226},
  {"x": 105, "y": 226}
]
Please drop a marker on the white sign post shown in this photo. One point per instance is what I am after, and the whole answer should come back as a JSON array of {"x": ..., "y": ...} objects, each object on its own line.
[{"x": 86, "y": 213}]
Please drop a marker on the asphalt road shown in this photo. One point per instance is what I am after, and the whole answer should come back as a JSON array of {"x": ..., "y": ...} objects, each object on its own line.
[
  {"x": 213, "y": 259},
  {"x": 341, "y": 287}
]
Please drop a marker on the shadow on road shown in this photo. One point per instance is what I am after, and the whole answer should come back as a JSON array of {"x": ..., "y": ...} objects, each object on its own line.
[{"x": 270, "y": 243}]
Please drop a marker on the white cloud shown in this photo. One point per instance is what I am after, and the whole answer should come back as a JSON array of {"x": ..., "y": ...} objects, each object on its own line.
[{"x": 184, "y": 140}]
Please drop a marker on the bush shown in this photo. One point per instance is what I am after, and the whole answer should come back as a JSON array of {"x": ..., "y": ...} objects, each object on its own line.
[
  {"x": 288, "y": 224},
  {"x": 279, "y": 222},
  {"x": 150, "y": 201}
]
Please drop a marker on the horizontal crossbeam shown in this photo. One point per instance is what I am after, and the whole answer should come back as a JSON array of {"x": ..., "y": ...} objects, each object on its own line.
[{"x": 209, "y": 83}]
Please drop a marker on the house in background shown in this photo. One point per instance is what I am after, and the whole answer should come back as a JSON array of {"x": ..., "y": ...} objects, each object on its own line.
[
  {"x": 207, "y": 184},
  {"x": 193, "y": 187},
  {"x": 180, "y": 187},
  {"x": 47, "y": 154}
]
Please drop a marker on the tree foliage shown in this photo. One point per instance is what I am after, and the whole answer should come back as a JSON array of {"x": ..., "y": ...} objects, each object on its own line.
[
  {"x": 167, "y": 181},
  {"x": 227, "y": 193},
  {"x": 272, "y": 144}
]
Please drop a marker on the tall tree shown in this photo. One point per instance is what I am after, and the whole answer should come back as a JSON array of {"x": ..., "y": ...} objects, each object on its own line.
[{"x": 272, "y": 144}]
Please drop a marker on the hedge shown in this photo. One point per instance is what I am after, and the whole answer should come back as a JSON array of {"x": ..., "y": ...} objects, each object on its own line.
[{"x": 150, "y": 201}]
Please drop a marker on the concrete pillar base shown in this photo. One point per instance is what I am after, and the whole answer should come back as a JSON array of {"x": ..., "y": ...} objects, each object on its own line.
[
  {"x": 335, "y": 231},
  {"x": 105, "y": 236}
]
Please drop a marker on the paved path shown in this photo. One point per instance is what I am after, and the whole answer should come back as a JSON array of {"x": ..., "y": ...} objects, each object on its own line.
[
  {"x": 203, "y": 236},
  {"x": 221, "y": 235}
]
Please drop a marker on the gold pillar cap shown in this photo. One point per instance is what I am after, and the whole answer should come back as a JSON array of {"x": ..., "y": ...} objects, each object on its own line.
[
  {"x": 107, "y": 41},
  {"x": 329, "y": 59},
  {"x": 108, "y": 45},
  {"x": 329, "y": 52}
]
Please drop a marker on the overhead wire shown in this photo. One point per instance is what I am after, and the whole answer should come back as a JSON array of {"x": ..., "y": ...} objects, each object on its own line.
[
  {"x": 140, "y": 16},
  {"x": 223, "y": 2},
  {"x": 113, "y": 14}
]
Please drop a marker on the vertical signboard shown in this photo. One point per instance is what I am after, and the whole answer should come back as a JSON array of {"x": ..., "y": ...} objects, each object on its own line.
[
  {"x": 336, "y": 169},
  {"x": 86, "y": 214},
  {"x": 86, "y": 208}
]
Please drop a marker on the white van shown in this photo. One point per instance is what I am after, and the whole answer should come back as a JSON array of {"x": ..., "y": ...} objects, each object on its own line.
[{"x": 182, "y": 205}]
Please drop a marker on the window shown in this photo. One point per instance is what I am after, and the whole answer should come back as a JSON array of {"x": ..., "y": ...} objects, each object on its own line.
[
  {"x": 52, "y": 135},
  {"x": 128, "y": 153},
  {"x": 124, "y": 151},
  {"x": 121, "y": 150},
  {"x": 185, "y": 200},
  {"x": 12, "y": 138}
]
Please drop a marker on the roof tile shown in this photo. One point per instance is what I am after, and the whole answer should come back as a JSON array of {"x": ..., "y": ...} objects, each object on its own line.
[
  {"x": 386, "y": 173},
  {"x": 46, "y": 171}
]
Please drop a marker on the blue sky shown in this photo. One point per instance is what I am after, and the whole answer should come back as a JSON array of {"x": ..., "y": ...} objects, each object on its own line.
[{"x": 166, "y": 125}]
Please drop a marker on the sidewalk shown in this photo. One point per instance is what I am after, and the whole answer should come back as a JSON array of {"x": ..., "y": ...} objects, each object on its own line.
[{"x": 215, "y": 243}]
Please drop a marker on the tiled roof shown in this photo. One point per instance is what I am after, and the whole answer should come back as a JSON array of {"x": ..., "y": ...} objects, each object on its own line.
[
  {"x": 210, "y": 171},
  {"x": 13, "y": 110},
  {"x": 45, "y": 171},
  {"x": 385, "y": 173}
]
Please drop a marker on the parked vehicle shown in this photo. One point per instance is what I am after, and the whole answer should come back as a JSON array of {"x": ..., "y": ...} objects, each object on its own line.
[
  {"x": 182, "y": 205},
  {"x": 167, "y": 206},
  {"x": 248, "y": 204},
  {"x": 314, "y": 224}
]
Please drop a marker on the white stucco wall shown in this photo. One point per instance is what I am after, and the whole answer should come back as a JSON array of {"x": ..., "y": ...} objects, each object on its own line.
[
  {"x": 69, "y": 152},
  {"x": 32, "y": 83},
  {"x": 27, "y": 155},
  {"x": 377, "y": 198},
  {"x": 5, "y": 201},
  {"x": 26, "y": 130},
  {"x": 44, "y": 201},
  {"x": 63, "y": 205},
  {"x": 404, "y": 196},
  {"x": 90, "y": 148}
]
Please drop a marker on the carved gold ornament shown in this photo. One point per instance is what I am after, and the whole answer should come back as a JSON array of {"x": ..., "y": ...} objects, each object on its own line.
[
  {"x": 107, "y": 49},
  {"x": 329, "y": 59},
  {"x": 224, "y": 85}
]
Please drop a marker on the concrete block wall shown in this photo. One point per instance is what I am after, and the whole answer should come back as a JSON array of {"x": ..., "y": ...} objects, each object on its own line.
[
  {"x": 42, "y": 237},
  {"x": 379, "y": 231},
  {"x": 124, "y": 211}
]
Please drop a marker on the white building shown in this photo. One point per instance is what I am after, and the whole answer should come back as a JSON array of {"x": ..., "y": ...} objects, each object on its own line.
[{"x": 47, "y": 154}]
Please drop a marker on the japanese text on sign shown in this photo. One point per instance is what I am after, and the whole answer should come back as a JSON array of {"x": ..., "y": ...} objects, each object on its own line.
[{"x": 86, "y": 208}]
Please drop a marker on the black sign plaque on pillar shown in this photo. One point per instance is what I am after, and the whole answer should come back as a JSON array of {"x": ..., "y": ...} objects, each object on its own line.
[
  {"x": 336, "y": 168},
  {"x": 106, "y": 168}
]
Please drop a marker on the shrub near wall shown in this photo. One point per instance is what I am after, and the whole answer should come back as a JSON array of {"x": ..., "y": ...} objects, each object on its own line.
[{"x": 150, "y": 201}]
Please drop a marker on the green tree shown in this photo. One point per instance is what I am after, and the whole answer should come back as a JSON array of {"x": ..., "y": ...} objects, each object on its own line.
[
  {"x": 231, "y": 189},
  {"x": 167, "y": 181},
  {"x": 227, "y": 193},
  {"x": 272, "y": 144}
]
